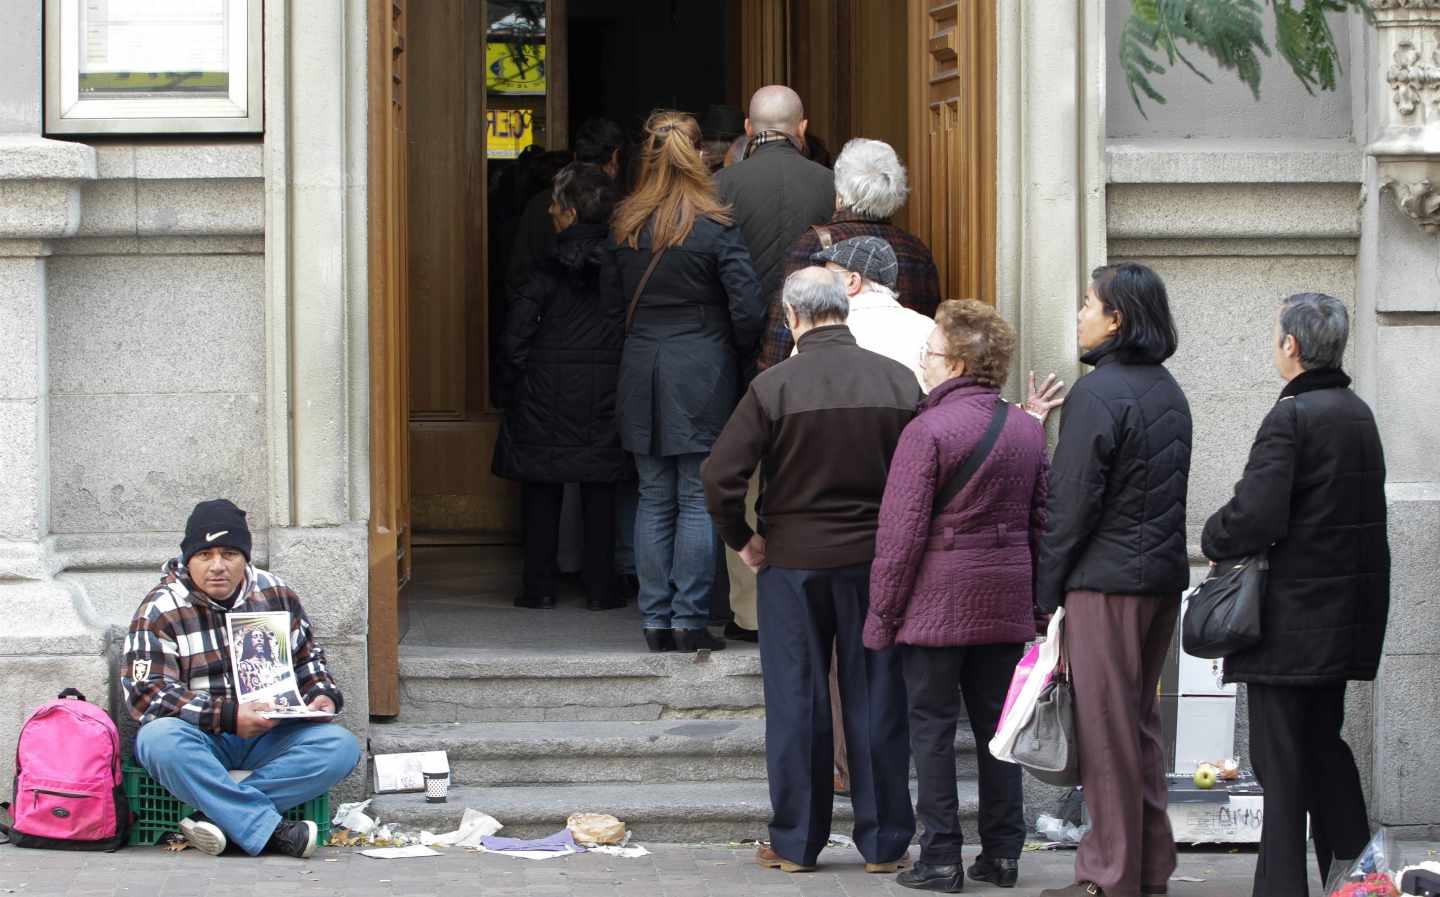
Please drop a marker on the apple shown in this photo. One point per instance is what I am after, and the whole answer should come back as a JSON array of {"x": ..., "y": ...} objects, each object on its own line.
[{"x": 1206, "y": 776}]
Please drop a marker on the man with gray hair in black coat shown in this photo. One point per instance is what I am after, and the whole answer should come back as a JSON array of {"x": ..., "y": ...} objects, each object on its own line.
[
  {"x": 1313, "y": 498},
  {"x": 825, "y": 424}
]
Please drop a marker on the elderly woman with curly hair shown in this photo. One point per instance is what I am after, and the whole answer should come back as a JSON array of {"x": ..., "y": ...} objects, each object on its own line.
[{"x": 951, "y": 584}]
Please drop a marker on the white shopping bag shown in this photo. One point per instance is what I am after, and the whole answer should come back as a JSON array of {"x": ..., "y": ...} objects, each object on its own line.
[{"x": 1019, "y": 713}]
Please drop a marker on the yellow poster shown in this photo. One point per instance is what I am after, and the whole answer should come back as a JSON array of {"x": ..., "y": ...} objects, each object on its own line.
[
  {"x": 508, "y": 132},
  {"x": 514, "y": 68}
]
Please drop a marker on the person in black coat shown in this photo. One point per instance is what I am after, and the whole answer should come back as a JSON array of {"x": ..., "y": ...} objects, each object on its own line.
[
  {"x": 1312, "y": 497},
  {"x": 689, "y": 325},
  {"x": 776, "y": 192},
  {"x": 1114, "y": 555},
  {"x": 557, "y": 371}
]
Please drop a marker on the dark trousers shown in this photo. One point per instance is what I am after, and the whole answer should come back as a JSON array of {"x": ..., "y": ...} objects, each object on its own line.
[
  {"x": 540, "y": 506},
  {"x": 935, "y": 680},
  {"x": 1116, "y": 646},
  {"x": 1305, "y": 767},
  {"x": 802, "y": 614}
]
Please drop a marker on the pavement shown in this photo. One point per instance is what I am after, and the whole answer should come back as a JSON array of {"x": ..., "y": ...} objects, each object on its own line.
[{"x": 672, "y": 870}]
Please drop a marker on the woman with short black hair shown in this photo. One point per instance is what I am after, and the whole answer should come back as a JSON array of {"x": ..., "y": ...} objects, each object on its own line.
[
  {"x": 557, "y": 369},
  {"x": 1114, "y": 555}
]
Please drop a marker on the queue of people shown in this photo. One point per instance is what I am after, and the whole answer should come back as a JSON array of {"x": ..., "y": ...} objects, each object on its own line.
[{"x": 758, "y": 340}]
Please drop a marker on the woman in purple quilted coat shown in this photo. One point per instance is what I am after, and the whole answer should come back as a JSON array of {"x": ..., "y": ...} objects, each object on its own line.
[{"x": 952, "y": 586}]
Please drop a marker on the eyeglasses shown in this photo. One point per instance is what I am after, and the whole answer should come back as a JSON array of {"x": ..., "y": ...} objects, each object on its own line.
[{"x": 926, "y": 352}]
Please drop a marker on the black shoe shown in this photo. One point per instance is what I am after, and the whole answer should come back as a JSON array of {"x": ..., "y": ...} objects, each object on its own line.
[
  {"x": 629, "y": 586},
  {"x": 203, "y": 835},
  {"x": 544, "y": 602},
  {"x": 658, "y": 640},
  {"x": 925, "y": 877},
  {"x": 692, "y": 640},
  {"x": 294, "y": 839},
  {"x": 613, "y": 602},
  {"x": 739, "y": 633},
  {"x": 999, "y": 871}
]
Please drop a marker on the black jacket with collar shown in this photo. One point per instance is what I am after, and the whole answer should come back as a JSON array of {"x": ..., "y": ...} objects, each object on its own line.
[
  {"x": 775, "y": 194},
  {"x": 1313, "y": 493},
  {"x": 1116, "y": 505},
  {"x": 823, "y": 427}
]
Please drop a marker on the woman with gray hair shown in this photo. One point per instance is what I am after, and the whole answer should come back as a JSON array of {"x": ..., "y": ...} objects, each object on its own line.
[
  {"x": 870, "y": 187},
  {"x": 1313, "y": 499}
]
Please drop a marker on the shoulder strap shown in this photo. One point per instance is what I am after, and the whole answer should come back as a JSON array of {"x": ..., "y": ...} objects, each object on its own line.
[
  {"x": 823, "y": 234},
  {"x": 973, "y": 460},
  {"x": 640, "y": 287}
]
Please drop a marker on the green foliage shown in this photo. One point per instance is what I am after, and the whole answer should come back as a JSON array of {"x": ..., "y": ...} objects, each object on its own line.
[{"x": 1230, "y": 32}]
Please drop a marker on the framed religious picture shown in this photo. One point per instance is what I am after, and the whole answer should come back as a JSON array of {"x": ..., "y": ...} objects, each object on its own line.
[{"x": 153, "y": 67}]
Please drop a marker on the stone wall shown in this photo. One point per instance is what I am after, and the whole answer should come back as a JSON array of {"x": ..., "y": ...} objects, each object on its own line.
[{"x": 182, "y": 319}]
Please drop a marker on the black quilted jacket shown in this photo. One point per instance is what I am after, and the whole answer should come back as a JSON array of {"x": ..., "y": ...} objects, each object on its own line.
[
  {"x": 1313, "y": 493},
  {"x": 1116, "y": 506}
]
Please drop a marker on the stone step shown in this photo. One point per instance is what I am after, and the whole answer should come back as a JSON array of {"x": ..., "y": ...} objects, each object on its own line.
[
  {"x": 445, "y": 684},
  {"x": 591, "y": 752},
  {"x": 687, "y": 813}
]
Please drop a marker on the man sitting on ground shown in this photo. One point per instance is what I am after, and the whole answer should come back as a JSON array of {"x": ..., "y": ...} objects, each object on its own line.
[{"x": 178, "y": 681}]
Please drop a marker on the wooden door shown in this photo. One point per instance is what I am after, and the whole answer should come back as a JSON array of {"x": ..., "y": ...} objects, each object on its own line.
[
  {"x": 389, "y": 348},
  {"x": 952, "y": 141},
  {"x": 454, "y": 281}
]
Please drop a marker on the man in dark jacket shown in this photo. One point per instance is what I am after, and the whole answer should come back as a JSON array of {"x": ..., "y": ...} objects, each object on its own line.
[
  {"x": 1313, "y": 497},
  {"x": 775, "y": 191},
  {"x": 825, "y": 425}
]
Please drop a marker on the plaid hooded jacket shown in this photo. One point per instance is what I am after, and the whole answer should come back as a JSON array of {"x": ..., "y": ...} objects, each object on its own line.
[{"x": 177, "y": 658}]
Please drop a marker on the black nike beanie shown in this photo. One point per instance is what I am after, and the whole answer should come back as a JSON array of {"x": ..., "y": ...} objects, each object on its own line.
[{"x": 215, "y": 523}]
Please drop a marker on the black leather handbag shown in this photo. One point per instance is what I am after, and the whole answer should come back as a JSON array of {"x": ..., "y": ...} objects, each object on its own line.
[{"x": 1223, "y": 613}]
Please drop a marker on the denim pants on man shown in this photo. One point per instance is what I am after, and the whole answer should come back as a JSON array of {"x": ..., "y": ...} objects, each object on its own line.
[
  {"x": 290, "y": 764},
  {"x": 675, "y": 544}
]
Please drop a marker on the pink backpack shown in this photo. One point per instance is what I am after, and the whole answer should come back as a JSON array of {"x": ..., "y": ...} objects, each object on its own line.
[{"x": 69, "y": 791}]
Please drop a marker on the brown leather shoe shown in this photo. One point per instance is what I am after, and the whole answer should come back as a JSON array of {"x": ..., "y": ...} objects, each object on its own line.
[
  {"x": 1079, "y": 889},
  {"x": 765, "y": 856},
  {"x": 896, "y": 866}
]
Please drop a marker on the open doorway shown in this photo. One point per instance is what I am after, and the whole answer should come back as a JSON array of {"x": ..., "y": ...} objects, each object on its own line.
[{"x": 482, "y": 90}]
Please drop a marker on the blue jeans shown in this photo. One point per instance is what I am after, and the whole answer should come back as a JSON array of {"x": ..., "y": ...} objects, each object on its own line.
[
  {"x": 290, "y": 764},
  {"x": 675, "y": 543}
]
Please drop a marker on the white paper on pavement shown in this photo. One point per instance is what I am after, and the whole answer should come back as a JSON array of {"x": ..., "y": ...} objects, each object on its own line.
[
  {"x": 474, "y": 825},
  {"x": 530, "y": 854},
  {"x": 400, "y": 853},
  {"x": 611, "y": 850}
]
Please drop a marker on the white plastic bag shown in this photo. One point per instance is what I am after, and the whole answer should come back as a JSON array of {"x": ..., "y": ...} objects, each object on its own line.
[{"x": 1002, "y": 745}]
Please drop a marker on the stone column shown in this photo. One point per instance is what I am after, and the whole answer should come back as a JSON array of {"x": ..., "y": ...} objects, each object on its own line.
[
  {"x": 317, "y": 301},
  {"x": 45, "y": 643},
  {"x": 1398, "y": 328},
  {"x": 1051, "y": 194}
]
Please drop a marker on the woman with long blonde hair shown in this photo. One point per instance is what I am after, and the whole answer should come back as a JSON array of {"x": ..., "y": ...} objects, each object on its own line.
[{"x": 679, "y": 273}]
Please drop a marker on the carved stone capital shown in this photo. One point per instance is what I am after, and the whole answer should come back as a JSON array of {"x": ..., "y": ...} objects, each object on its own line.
[{"x": 1406, "y": 145}]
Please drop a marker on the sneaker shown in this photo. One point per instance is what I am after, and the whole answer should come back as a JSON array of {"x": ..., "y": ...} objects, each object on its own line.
[
  {"x": 999, "y": 871},
  {"x": 295, "y": 839},
  {"x": 203, "y": 835}
]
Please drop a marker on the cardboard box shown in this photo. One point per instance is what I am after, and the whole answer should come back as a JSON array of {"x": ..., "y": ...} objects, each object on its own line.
[{"x": 1225, "y": 814}]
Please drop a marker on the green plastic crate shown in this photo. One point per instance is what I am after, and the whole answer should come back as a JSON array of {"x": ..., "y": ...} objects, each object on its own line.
[{"x": 157, "y": 812}]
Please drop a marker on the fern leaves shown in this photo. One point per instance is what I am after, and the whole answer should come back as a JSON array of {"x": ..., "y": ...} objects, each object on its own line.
[{"x": 1230, "y": 32}]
